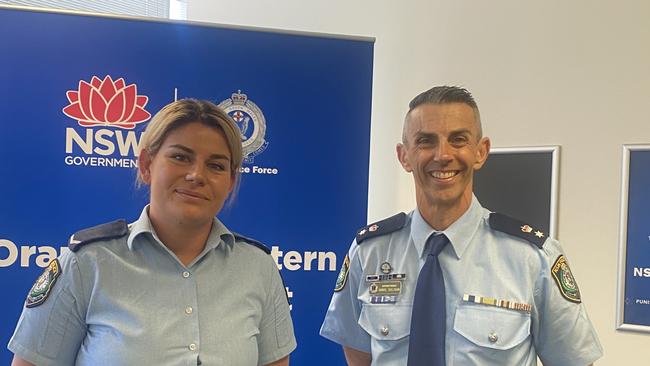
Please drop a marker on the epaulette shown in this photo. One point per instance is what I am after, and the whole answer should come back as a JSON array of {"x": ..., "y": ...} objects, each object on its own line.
[
  {"x": 517, "y": 228},
  {"x": 383, "y": 227},
  {"x": 106, "y": 231},
  {"x": 247, "y": 240}
]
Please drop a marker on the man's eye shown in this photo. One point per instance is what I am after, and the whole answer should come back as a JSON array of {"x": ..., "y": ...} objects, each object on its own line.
[{"x": 459, "y": 140}]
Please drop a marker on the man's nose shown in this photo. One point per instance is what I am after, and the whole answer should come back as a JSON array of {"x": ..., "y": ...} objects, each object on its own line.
[{"x": 443, "y": 152}]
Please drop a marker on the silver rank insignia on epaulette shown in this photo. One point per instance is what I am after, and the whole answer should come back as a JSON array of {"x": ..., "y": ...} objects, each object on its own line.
[
  {"x": 527, "y": 229},
  {"x": 73, "y": 241},
  {"x": 370, "y": 229},
  {"x": 517, "y": 228},
  {"x": 383, "y": 227}
]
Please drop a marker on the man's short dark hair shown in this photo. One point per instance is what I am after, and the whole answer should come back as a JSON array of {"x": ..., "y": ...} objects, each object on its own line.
[
  {"x": 447, "y": 94},
  {"x": 443, "y": 95}
]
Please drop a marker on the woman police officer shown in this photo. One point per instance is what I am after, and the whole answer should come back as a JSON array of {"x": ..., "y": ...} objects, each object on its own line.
[{"x": 176, "y": 287}]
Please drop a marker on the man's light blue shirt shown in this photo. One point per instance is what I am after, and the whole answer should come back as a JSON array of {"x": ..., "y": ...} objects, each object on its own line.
[{"x": 479, "y": 261}]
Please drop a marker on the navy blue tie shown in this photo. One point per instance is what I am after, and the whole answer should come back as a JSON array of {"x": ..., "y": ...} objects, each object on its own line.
[{"x": 428, "y": 320}]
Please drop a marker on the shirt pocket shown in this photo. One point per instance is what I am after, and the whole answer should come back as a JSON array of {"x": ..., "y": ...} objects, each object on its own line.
[
  {"x": 492, "y": 328},
  {"x": 386, "y": 322}
]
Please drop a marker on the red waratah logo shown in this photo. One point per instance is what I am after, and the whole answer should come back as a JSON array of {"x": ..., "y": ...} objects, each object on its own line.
[{"x": 108, "y": 103}]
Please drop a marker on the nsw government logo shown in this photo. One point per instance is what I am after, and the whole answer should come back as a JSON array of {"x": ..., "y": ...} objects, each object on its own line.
[
  {"x": 107, "y": 103},
  {"x": 251, "y": 122},
  {"x": 112, "y": 109}
]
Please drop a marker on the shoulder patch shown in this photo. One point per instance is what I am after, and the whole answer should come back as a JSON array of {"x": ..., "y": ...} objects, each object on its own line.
[
  {"x": 565, "y": 280},
  {"x": 41, "y": 288},
  {"x": 383, "y": 227},
  {"x": 253, "y": 242},
  {"x": 106, "y": 231},
  {"x": 342, "y": 278},
  {"x": 517, "y": 228}
]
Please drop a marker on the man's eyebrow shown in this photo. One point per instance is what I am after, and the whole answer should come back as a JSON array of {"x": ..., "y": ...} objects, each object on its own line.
[
  {"x": 424, "y": 134},
  {"x": 461, "y": 131}
]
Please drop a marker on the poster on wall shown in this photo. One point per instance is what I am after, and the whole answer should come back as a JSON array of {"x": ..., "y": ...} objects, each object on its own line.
[
  {"x": 633, "y": 301},
  {"x": 522, "y": 182},
  {"x": 77, "y": 90}
]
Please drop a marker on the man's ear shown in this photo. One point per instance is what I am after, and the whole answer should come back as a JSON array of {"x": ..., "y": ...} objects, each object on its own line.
[
  {"x": 403, "y": 158},
  {"x": 144, "y": 166},
  {"x": 482, "y": 152}
]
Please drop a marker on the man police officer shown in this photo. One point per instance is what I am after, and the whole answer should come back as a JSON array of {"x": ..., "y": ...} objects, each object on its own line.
[{"x": 452, "y": 283}]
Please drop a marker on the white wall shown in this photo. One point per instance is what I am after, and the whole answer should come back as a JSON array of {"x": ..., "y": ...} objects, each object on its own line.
[{"x": 570, "y": 73}]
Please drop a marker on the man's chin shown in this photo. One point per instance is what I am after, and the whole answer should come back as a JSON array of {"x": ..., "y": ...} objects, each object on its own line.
[{"x": 444, "y": 198}]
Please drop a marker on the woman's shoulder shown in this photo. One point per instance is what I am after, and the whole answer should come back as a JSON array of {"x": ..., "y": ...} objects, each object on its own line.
[
  {"x": 241, "y": 239},
  {"x": 101, "y": 233}
]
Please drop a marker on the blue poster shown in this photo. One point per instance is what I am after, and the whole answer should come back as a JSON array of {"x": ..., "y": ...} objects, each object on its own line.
[
  {"x": 635, "y": 239},
  {"x": 76, "y": 92}
]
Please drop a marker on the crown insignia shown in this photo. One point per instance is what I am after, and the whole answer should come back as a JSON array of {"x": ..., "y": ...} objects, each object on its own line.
[{"x": 238, "y": 98}]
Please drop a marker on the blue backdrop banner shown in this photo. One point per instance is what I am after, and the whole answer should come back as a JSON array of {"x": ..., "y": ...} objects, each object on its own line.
[
  {"x": 76, "y": 92},
  {"x": 634, "y": 255}
]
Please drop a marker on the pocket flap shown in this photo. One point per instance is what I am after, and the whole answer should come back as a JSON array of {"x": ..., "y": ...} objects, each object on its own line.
[
  {"x": 490, "y": 327},
  {"x": 386, "y": 322}
]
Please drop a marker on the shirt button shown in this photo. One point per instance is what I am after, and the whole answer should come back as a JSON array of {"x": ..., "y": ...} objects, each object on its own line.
[
  {"x": 186, "y": 274},
  {"x": 385, "y": 330},
  {"x": 493, "y": 337},
  {"x": 188, "y": 310},
  {"x": 192, "y": 347}
]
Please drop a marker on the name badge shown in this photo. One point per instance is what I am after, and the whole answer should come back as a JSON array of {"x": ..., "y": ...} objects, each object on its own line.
[{"x": 386, "y": 288}]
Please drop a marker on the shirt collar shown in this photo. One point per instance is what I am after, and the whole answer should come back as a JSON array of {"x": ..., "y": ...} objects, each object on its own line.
[
  {"x": 218, "y": 233},
  {"x": 460, "y": 232}
]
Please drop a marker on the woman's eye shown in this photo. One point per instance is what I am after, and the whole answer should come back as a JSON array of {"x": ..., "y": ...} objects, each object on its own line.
[
  {"x": 216, "y": 166},
  {"x": 179, "y": 157}
]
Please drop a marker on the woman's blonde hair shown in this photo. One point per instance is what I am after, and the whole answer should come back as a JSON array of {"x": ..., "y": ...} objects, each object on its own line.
[{"x": 184, "y": 111}]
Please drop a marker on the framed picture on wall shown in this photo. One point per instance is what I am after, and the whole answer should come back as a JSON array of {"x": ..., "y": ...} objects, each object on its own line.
[
  {"x": 633, "y": 301},
  {"x": 522, "y": 182}
]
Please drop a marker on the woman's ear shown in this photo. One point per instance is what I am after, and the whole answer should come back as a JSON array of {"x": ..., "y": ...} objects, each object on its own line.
[{"x": 144, "y": 166}]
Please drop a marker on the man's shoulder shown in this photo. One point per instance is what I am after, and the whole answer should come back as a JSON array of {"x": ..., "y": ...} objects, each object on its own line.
[
  {"x": 517, "y": 228},
  {"x": 382, "y": 227},
  {"x": 108, "y": 231}
]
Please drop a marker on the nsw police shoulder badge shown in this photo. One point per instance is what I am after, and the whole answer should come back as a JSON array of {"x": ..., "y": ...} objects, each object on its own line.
[
  {"x": 251, "y": 122},
  {"x": 565, "y": 280},
  {"x": 41, "y": 288},
  {"x": 342, "y": 279}
]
